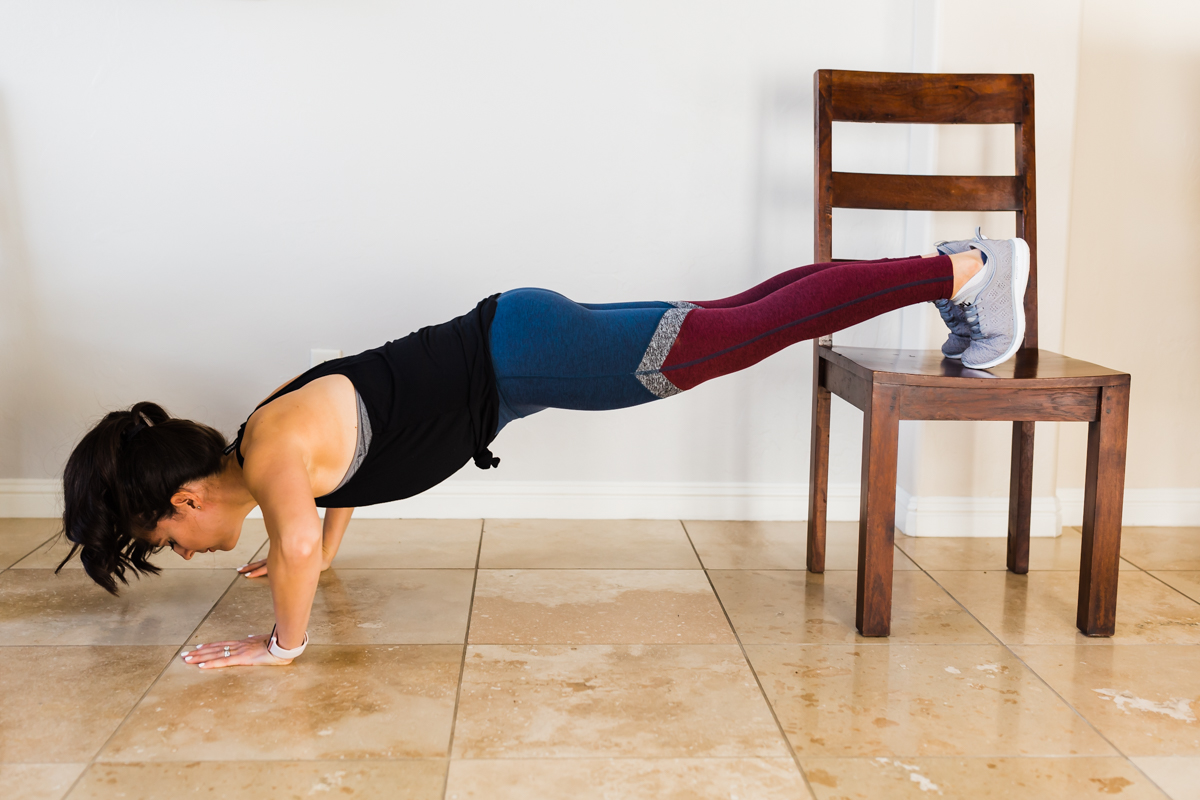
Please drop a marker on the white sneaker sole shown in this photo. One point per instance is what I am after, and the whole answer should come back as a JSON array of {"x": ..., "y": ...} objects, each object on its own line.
[{"x": 1020, "y": 279}]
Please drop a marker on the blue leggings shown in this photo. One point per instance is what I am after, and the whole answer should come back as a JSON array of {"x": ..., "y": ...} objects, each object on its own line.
[{"x": 551, "y": 352}]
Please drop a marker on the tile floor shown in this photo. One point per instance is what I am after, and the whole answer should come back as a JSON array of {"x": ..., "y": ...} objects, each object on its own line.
[{"x": 599, "y": 659}]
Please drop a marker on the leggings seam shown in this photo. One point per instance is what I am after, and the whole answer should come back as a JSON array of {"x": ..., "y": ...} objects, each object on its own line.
[{"x": 800, "y": 321}]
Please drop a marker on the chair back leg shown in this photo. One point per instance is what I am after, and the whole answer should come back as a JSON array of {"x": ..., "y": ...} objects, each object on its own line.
[
  {"x": 818, "y": 469},
  {"x": 1020, "y": 497}
]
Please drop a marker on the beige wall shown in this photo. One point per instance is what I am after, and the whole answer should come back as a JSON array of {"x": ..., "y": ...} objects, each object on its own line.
[
  {"x": 1133, "y": 267},
  {"x": 961, "y": 459}
]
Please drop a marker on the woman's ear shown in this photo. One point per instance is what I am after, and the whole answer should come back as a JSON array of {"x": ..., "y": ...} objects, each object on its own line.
[{"x": 184, "y": 499}]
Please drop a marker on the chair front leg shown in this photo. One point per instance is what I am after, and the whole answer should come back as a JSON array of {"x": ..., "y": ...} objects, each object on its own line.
[
  {"x": 1020, "y": 497},
  {"x": 1103, "y": 498},
  {"x": 877, "y": 511},
  {"x": 818, "y": 469}
]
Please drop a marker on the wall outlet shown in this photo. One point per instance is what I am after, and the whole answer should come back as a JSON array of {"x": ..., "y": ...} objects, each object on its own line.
[{"x": 321, "y": 356}]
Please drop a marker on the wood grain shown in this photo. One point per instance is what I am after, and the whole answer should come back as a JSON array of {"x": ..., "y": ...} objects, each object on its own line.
[{"x": 926, "y": 192}]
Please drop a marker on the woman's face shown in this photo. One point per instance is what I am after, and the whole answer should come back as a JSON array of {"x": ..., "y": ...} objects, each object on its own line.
[{"x": 193, "y": 530}]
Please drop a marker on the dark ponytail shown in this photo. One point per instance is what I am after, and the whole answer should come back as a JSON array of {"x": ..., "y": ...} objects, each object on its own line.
[{"x": 119, "y": 481}]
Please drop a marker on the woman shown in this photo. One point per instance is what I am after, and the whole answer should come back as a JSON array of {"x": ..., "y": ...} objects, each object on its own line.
[{"x": 391, "y": 422}]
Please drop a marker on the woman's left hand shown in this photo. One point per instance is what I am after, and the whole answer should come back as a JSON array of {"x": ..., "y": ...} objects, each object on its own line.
[{"x": 250, "y": 652}]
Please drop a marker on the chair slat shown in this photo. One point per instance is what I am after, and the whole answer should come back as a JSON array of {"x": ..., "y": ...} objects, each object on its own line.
[
  {"x": 927, "y": 192},
  {"x": 929, "y": 99}
]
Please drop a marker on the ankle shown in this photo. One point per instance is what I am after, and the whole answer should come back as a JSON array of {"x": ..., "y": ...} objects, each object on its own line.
[{"x": 966, "y": 266}]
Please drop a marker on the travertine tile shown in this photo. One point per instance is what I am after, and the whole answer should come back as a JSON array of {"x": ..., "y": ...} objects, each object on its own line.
[
  {"x": 1040, "y": 608},
  {"x": 776, "y": 545},
  {"x": 585, "y": 544},
  {"x": 977, "y": 778},
  {"x": 1178, "y": 776},
  {"x": 1162, "y": 548},
  {"x": 356, "y": 606},
  {"x": 19, "y": 537},
  {"x": 1144, "y": 699},
  {"x": 417, "y": 779},
  {"x": 39, "y": 607},
  {"x": 61, "y": 703},
  {"x": 782, "y": 607},
  {"x": 254, "y": 535},
  {"x": 344, "y": 702},
  {"x": 409, "y": 544},
  {"x": 908, "y": 700},
  {"x": 585, "y": 701},
  {"x": 978, "y": 554},
  {"x": 578, "y": 606},
  {"x": 1186, "y": 582},
  {"x": 625, "y": 779},
  {"x": 38, "y": 781}
]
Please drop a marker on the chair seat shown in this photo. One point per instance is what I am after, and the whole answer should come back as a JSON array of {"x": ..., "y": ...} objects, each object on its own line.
[
  {"x": 1028, "y": 369},
  {"x": 1034, "y": 385}
]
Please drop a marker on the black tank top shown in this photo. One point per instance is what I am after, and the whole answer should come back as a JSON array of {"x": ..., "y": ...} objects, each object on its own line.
[{"x": 432, "y": 402}]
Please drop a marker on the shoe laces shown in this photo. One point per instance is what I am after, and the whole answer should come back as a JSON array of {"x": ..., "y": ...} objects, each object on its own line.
[
  {"x": 943, "y": 307},
  {"x": 972, "y": 316}
]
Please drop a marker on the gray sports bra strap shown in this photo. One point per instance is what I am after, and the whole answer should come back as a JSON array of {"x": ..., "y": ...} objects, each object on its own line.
[{"x": 364, "y": 441}]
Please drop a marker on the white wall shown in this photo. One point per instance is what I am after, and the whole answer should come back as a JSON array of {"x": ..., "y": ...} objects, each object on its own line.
[{"x": 197, "y": 193}]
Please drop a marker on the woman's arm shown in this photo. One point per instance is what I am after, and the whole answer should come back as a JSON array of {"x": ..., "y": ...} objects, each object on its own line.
[
  {"x": 280, "y": 482},
  {"x": 334, "y": 528},
  {"x": 336, "y": 520}
]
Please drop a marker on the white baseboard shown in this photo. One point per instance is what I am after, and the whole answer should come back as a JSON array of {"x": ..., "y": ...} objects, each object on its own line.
[
  {"x": 971, "y": 516},
  {"x": 615, "y": 500},
  {"x": 542, "y": 500},
  {"x": 30, "y": 498},
  {"x": 916, "y": 516},
  {"x": 1151, "y": 508}
]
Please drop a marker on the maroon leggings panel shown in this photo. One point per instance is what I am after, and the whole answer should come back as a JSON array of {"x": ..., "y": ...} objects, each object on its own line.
[{"x": 727, "y": 335}]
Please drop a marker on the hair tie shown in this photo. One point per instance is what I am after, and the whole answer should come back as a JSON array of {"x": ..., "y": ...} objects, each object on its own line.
[{"x": 137, "y": 427}]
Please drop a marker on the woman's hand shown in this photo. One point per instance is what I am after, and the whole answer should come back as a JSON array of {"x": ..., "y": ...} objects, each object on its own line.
[
  {"x": 250, "y": 652},
  {"x": 257, "y": 569}
]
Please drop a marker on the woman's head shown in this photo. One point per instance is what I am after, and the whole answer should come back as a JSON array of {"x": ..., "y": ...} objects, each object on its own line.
[{"x": 123, "y": 478}]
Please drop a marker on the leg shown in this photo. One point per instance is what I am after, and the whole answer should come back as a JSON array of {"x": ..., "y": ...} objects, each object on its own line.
[
  {"x": 1103, "y": 496},
  {"x": 716, "y": 341},
  {"x": 1020, "y": 497},
  {"x": 877, "y": 511},
  {"x": 818, "y": 469}
]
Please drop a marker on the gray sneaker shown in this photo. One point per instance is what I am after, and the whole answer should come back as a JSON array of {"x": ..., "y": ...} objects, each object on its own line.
[
  {"x": 960, "y": 330},
  {"x": 996, "y": 312}
]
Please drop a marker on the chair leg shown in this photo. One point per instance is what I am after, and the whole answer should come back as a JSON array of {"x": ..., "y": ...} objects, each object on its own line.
[
  {"x": 877, "y": 511},
  {"x": 1020, "y": 497},
  {"x": 818, "y": 469},
  {"x": 1103, "y": 498}
]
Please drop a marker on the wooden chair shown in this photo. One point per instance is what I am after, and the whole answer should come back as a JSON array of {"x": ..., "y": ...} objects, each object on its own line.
[{"x": 891, "y": 385}]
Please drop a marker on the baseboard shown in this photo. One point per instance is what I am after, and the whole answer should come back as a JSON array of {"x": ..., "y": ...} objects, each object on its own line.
[
  {"x": 971, "y": 516},
  {"x": 30, "y": 498},
  {"x": 1151, "y": 508},
  {"x": 916, "y": 516},
  {"x": 543, "y": 500}
]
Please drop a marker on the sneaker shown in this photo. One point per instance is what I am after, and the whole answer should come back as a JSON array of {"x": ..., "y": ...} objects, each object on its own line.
[
  {"x": 993, "y": 302},
  {"x": 960, "y": 330}
]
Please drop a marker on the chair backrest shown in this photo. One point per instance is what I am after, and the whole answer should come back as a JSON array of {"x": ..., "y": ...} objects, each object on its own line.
[{"x": 935, "y": 99}]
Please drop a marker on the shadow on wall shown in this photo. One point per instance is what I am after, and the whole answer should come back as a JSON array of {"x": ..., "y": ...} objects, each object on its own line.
[
  {"x": 18, "y": 312},
  {"x": 1133, "y": 279}
]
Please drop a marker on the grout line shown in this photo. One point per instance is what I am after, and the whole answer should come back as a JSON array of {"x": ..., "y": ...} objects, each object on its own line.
[
  {"x": 1022, "y": 662},
  {"x": 462, "y": 664},
  {"x": 758, "y": 682},
  {"x": 36, "y": 547},
  {"x": 153, "y": 683}
]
